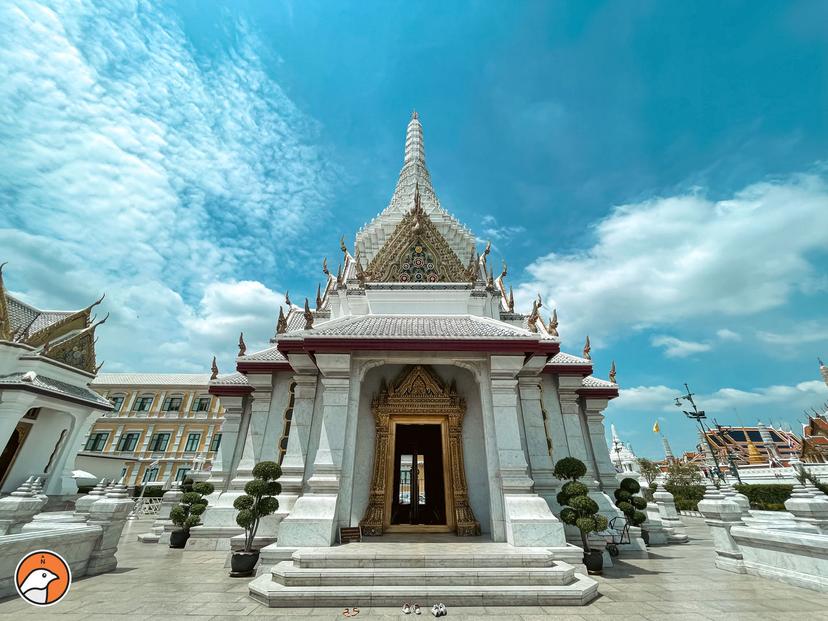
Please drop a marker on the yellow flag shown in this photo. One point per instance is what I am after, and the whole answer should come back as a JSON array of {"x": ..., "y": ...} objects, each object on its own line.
[{"x": 656, "y": 428}]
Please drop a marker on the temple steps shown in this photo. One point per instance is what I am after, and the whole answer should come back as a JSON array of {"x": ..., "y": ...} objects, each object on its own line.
[{"x": 369, "y": 574}]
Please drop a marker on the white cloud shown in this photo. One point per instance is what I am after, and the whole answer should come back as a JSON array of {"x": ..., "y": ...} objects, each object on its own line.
[
  {"x": 728, "y": 335},
  {"x": 493, "y": 232},
  {"x": 800, "y": 333},
  {"x": 131, "y": 165},
  {"x": 676, "y": 348},
  {"x": 670, "y": 259}
]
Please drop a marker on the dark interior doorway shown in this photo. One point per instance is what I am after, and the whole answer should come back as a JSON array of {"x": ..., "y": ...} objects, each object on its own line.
[{"x": 419, "y": 487}]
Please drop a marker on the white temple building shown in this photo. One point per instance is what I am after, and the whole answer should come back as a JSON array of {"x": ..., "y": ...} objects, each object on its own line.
[{"x": 410, "y": 397}]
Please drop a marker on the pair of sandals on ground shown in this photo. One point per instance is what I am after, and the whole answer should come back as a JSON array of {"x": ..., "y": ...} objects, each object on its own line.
[{"x": 438, "y": 610}]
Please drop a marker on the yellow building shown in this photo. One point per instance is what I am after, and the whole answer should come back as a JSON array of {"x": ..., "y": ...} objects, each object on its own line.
[{"x": 161, "y": 427}]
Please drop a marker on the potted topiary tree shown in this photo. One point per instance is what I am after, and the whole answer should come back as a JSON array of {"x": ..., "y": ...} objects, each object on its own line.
[
  {"x": 257, "y": 503},
  {"x": 631, "y": 506},
  {"x": 579, "y": 510},
  {"x": 187, "y": 513}
]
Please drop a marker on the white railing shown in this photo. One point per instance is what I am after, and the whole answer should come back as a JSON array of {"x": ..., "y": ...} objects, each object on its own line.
[{"x": 145, "y": 506}]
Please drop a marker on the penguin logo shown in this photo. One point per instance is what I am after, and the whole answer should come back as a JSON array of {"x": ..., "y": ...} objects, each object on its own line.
[{"x": 43, "y": 578}]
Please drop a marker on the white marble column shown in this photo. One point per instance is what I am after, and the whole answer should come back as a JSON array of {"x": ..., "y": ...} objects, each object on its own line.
[
  {"x": 528, "y": 519},
  {"x": 313, "y": 519},
  {"x": 60, "y": 481},
  {"x": 593, "y": 411},
  {"x": 539, "y": 459},
  {"x": 571, "y": 415},
  {"x": 304, "y": 397}
]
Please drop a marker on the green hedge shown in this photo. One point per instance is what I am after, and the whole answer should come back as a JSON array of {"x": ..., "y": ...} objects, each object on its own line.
[
  {"x": 769, "y": 497},
  {"x": 686, "y": 497},
  {"x": 152, "y": 491}
]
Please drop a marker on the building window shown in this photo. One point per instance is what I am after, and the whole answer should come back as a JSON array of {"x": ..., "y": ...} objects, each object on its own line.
[
  {"x": 123, "y": 473},
  {"x": 128, "y": 441},
  {"x": 181, "y": 473},
  {"x": 150, "y": 475},
  {"x": 117, "y": 402},
  {"x": 142, "y": 404},
  {"x": 96, "y": 441},
  {"x": 159, "y": 442},
  {"x": 202, "y": 404},
  {"x": 216, "y": 442},
  {"x": 192, "y": 442},
  {"x": 171, "y": 404}
]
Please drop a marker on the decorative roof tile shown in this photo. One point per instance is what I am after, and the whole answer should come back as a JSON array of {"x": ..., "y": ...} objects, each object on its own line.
[
  {"x": 420, "y": 326},
  {"x": 266, "y": 355},
  {"x": 230, "y": 379},
  {"x": 593, "y": 382},
  {"x": 562, "y": 358},
  {"x": 51, "y": 385},
  {"x": 152, "y": 379}
]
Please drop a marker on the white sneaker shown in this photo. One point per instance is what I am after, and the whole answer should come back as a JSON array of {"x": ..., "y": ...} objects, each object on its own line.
[
  {"x": 406, "y": 609},
  {"x": 435, "y": 610},
  {"x": 443, "y": 611},
  {"x": 416, "y": 609}
]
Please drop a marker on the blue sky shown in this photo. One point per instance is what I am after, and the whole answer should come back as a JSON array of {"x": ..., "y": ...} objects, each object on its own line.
[{"x": 656, "y": 170}]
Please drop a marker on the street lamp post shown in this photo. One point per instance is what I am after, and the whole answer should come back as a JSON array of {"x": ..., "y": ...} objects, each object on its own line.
[{"x": 698, "y": 415}]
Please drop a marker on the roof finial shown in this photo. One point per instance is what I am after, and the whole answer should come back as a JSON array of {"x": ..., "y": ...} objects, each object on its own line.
[
  {"x": 612, "y": 373},
  {"x": 308, "y": 316},
  {"x": 504, "y": 271},
  {"x": 318, "y": 296},
  {"x": 213, "y": 369},
  {"x": 553, "y": 323},
  {"x": 281, "y": 323},
  {"x": 342, "y": 244},
  {"x": 587, "y": 348},
  {"x": 533, "y": 317},
  {"x": 414, "y": 115},
  {"x": 511, "y": 300},
  {"x": 287, "y": 300},
  {"x": 242, "y": 345},
  {"x": 325, "y": 266}
]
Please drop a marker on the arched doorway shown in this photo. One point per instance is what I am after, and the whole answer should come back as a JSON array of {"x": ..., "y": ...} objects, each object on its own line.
[{"x": 418, "y": 482}]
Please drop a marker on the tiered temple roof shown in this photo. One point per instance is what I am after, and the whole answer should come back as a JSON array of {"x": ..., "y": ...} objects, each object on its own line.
[{"x": 67, "y": 337}]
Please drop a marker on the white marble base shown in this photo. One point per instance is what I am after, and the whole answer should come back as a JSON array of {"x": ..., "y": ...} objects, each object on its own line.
[
  {"x": 530, "y": 523},
  {"x": 311, "y": 523}
]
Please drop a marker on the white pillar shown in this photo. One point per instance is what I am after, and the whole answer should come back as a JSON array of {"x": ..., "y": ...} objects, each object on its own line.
[
  {"x": 60, "y": 481},
  {"x": 540, "y": 460},
  {"x": 313, "y": 519},
  {"x": 528, "y": 519},
  {"x": 304, "y": 396},
  {"x": 13, "y": 407},
  {"x": 593, "y": 410}
]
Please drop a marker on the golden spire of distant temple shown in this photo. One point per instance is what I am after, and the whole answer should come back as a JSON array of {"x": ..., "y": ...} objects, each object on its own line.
[{"x": 754, "y": 456}]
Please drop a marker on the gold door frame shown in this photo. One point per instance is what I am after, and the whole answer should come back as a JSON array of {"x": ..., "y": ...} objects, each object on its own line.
[{"x": 418, "y": 396}]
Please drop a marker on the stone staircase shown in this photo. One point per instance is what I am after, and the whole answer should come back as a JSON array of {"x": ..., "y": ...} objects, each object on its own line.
[{"x": 386, "y": 574}]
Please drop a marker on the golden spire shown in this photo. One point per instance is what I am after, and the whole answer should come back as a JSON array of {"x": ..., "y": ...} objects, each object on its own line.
[
  {"x": 612, "y": 373},
  {"x": 213, "y": 369},
  {"x": 511, "y": 300},
  {"x": 318, "y": 296},
  {"x": 281, "y": 324},
  {"x": 490, "y": 279},
  {"x": 754, "y": 456},
  {"x": 308, "y": 316},
  {"x": 553, "y": 323},
  {"x": 587, "y": 349},
  {"x": 242, "y": 345},
  {"x": 360, "y": 273},
  {"x": 5, "y": 324},
  {"x": 325, "y": 267}
]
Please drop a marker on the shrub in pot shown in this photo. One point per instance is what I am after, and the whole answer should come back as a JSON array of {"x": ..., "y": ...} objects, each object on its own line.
[
  {"x": 258, "y": 501},
  {"x": 579, "y": 510},
  {"x": 632, "y": 506},
  {"x": 188, "y": 513}
]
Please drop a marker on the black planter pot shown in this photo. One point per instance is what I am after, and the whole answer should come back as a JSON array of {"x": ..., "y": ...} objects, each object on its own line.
[
  {"x": 594, "y": 561},
  {"x": 178, "y": 538},
  {"x": 243, "y": 563}
]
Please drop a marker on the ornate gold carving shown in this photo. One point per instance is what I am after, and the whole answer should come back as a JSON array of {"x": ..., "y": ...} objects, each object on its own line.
[
  {"x": 587, "y": 348},
  {"x": 214, "y": 369},
  {"x": 416, "y": 252},
  {"x": 612, "y": 373},
  {"x": 553, "y": 323},
  {"x": 418, "y": 392},
  {"x": 318, "y": 296},
  {"x": 308, "y": 316},
  {"x": 281, "y": 323}
]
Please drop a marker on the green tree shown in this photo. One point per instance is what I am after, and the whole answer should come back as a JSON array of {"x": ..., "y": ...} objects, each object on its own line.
[
  {"x": 578, "y": 508},
  {"x": 631, "y": 505},
  {"x": 681, "y": 474},
  {"x": 193, "y": 503},
  {"x": 649, "y": 470},
  {"x": 258, "y": 500}
]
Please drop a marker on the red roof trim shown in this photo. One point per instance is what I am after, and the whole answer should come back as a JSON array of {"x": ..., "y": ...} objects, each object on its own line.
[
  {"x": 230, "y": 391},
  {"x": 323, "y": 344},
  {"x": 262, "y": 368},
  {"x": 568, "y": 369},
  {"x": 600, "y": 393}
]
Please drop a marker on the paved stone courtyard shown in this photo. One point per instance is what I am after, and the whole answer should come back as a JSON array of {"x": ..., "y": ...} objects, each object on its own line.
[{"x": 676, "y": 583}]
